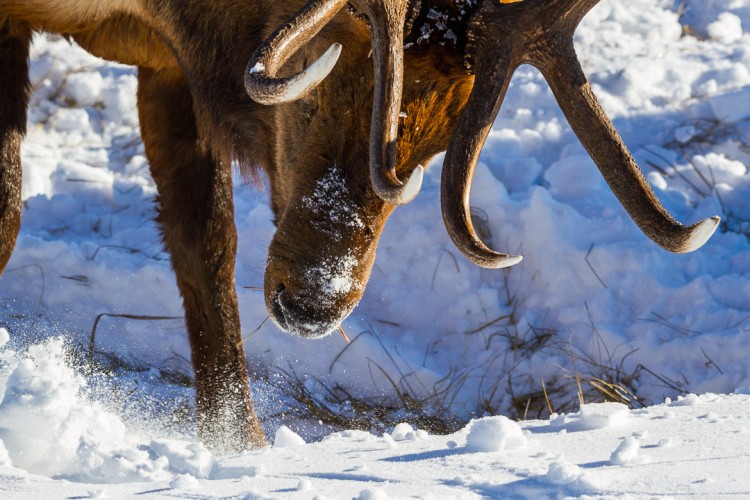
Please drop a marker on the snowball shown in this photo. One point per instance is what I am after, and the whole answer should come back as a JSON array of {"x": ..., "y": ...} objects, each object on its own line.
[
  {"x": 627, "y": 453},
  {"x": 401, "y": 430},
  {"x": 562, "y": 472},
  {"x": 373, "y": 494},
  {"x": 287, "y": 438},
  {"x": 405, "y": 432},
  {"x": 726, "y": 29},
  {"x": 495, "y": 434}
]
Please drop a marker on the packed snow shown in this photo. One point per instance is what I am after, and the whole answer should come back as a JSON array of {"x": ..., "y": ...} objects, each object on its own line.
[{"x": 594, "y": 309}]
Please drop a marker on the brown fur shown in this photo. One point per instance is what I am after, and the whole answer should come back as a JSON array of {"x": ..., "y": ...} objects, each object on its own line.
[{"x": 196, "y": 118}]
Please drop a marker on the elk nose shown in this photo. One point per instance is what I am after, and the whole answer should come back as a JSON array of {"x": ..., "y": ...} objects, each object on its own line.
[{"x": 294, "y": 315}]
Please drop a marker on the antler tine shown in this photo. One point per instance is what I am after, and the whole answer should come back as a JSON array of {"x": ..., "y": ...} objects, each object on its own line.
[
  {"x": 463, "y": 153},
  {"x": 387, "y": 19},
  {"x": 261, "y": 83},
  {"x": 605, "y": 146}
]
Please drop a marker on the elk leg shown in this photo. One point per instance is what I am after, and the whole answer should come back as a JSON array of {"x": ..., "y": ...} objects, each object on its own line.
[
  {"x": 14, "y": 97},
  {"x": 197, "y": 219}
]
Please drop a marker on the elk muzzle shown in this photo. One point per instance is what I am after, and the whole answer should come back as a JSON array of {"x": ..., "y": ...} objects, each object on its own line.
[
  {"x": 313, "y": 299},
  {"x": 320, "y": 258}
]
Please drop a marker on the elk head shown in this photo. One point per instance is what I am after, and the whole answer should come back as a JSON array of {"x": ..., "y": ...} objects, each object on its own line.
[{"x": 362, "y": 135}]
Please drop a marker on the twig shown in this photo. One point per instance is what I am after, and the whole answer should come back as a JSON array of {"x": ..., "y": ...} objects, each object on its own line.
[
  {"x": 591, "y": 248},
  {"x": 128, "y": 249},
  {"x": 92, "y": 337},
  {"x": 41, "y": 273},
  {"x": 575, "y": 371},
  {"x": 546, "y": 397},
  {"x": 526, "y": 410},
  {"x": 489, "y": 323},
  {"x": 676, "y": 171},
  {"x": 711, "y": 362},
  {"x": 661, "y": 320},
  {"x": 247, "y": 337},
  {"x": 341, "y": 353},
  {"x": 670, "y": 384},
  {"x": 437, "y": 266},
  {"x": 341, "y": 330}
]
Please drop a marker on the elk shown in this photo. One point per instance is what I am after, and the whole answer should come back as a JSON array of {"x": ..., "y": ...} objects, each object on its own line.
[{"x": 340, "y": 103}]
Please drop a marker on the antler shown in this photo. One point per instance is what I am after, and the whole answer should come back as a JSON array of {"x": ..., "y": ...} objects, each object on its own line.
[
  {"x": 387, "y": 19},
  {"x": 540, "y": 33},
  {"x": 260, "y": 77}
]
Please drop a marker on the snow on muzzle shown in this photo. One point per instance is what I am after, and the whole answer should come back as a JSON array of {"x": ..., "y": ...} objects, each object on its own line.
[
  {"x": 313, "y": 301},
  {"x": 320, "y": 258}
]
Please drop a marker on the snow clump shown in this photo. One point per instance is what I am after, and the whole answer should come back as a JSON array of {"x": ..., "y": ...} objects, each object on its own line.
[
  {"x": 496, "y": 433},
  {"x": 726, "y": 29},
  {"x": 405, "y": 432},
  {"x": 287, "y": 438},
  {"x": 627, "y": 453},
  {"x": 563, "y": 473}
]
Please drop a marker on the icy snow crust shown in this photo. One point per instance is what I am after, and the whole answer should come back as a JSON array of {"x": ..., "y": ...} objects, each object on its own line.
[{"x": 590, "y": 284}]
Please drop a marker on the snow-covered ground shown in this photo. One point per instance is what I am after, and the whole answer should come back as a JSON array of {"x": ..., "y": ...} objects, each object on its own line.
[
  {"x": 593, "y": 301},
  {"x": 59, "y": 445}
]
